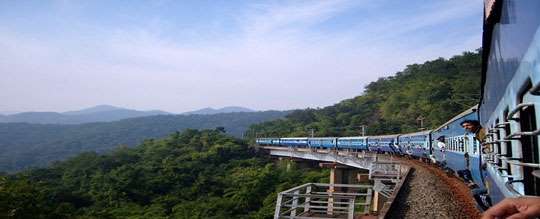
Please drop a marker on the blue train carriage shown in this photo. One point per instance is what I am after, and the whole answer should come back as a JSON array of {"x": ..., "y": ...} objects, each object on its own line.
[
  {"x": 417, "y": 144},
  {"x": 355, "y": 143},
  {"x": 510, "y": 105},
  {"x": 267, "y": 141},
  {"x": 383, "y": 143},
  {"x": 457, "y": 150},
  {"x": 294, "y": 142},
  {"x": 323, "y": 142}
]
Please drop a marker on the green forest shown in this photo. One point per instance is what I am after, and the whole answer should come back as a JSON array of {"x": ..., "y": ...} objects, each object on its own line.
[
  {"x": 433, "y": 92},
  {"x": 193, "y": 174},
  {"x": 209, "y": 174}
]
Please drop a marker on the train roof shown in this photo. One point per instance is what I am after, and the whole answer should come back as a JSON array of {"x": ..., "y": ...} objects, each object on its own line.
[
  {"x": 426, "y": 132},
  {"x": 384, "y": 136},
  {"x": 295, "y": 138},
  {"x": 459, "y": 116},
  {"x": 323, "y": 138},
  {"x": 353, "y": 137}
]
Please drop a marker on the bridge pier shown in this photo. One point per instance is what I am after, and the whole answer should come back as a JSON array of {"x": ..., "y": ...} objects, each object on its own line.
[
  {"x": 336, "y": 177},
  {"x": 361, "y": 184},
  {"x": 341, "y": 174}
]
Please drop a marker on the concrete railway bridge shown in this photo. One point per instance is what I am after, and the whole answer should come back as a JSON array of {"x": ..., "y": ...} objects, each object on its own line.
[{"x": 362, "y": 185}]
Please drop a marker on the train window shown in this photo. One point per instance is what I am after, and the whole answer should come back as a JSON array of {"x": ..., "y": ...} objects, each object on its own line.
[
  {"x": 529, "y": 144},
  {"x": 461, "y": 144},
  {"x": 468, "y": 144},
  {"x": 508, "y": 144},
  {"x": 498, "y": 145}
]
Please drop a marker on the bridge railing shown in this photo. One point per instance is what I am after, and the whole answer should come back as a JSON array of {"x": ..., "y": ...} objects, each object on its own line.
[{"x": 323, "y": 200}]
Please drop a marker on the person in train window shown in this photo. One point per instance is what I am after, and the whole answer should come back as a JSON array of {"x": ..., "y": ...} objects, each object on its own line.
[
  {"x": 474, "y": 126},
  {"x": 465, "y": 174},
  {"x": 395, "y": 147},
  {"x": 480, "y": 195},
  {"x": 398, "y": 148},
  {"x": 441, "y": 144},
  {"x": 442, "y": 147}
]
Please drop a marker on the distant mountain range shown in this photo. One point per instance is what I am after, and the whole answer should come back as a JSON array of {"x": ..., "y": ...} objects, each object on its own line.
[
  {"x": 210, "y": 111},
  {"x": 24, "y": 145},
  {"x": 4, "y": 113},
  {"x": 108, "y": 109},
  {"x": 101, "y": 113}
]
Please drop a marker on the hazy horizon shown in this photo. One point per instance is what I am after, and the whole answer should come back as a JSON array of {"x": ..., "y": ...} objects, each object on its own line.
[
  {"x": 108, "y": 105},
  {"x": 181, "y": 56}
]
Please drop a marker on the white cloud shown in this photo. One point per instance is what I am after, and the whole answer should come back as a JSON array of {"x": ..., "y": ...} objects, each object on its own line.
[{"x": 278, "y": 61}]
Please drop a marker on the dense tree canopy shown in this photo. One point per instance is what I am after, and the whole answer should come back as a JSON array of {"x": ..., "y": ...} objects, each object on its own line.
[
  {"x": 435, "y": 91},
  {"x": 24, "y": 145},
  {"x": 193, "y": 174}
]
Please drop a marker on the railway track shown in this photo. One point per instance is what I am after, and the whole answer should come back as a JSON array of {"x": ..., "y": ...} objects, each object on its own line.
[{"x": 431, "y": 193}]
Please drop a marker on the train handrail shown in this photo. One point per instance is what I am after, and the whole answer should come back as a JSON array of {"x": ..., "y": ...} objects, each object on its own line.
[
  {"x": 516, "y": 110},
  {"x": 509, "y": 158},
  {"x": 514, "y": 135},
  {"x": 500, "y": 168},
  {"x": 501, "y": 125},
  {"x": 510, "y": 188},
  {"x": 509, "y": 176},
  {"x": 495, "y": 142},
  {"x": 519, "y": 163},
  {"x": 535, "y": 90},
  {"x": 536, "y": 173}
]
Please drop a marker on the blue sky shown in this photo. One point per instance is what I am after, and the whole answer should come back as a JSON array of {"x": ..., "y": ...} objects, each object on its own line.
[{"x": 184, "y": 55}]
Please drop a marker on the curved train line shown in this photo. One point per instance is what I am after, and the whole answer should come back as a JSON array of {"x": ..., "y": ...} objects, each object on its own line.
[{"x": 506, "y": 163}]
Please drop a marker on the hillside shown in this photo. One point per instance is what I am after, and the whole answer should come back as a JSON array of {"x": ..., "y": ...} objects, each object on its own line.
[
  {"x": 25, "y": 145},
  {"x": 435, "y": 91},
  {"x": 193, "y": 174}
]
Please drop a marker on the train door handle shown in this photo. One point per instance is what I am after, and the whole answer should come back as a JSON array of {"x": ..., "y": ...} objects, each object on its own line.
[
  {"x": 501, "y": 125},
  {"x": 518, "y": 108},
  {"x": 535, "y": 90}
]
